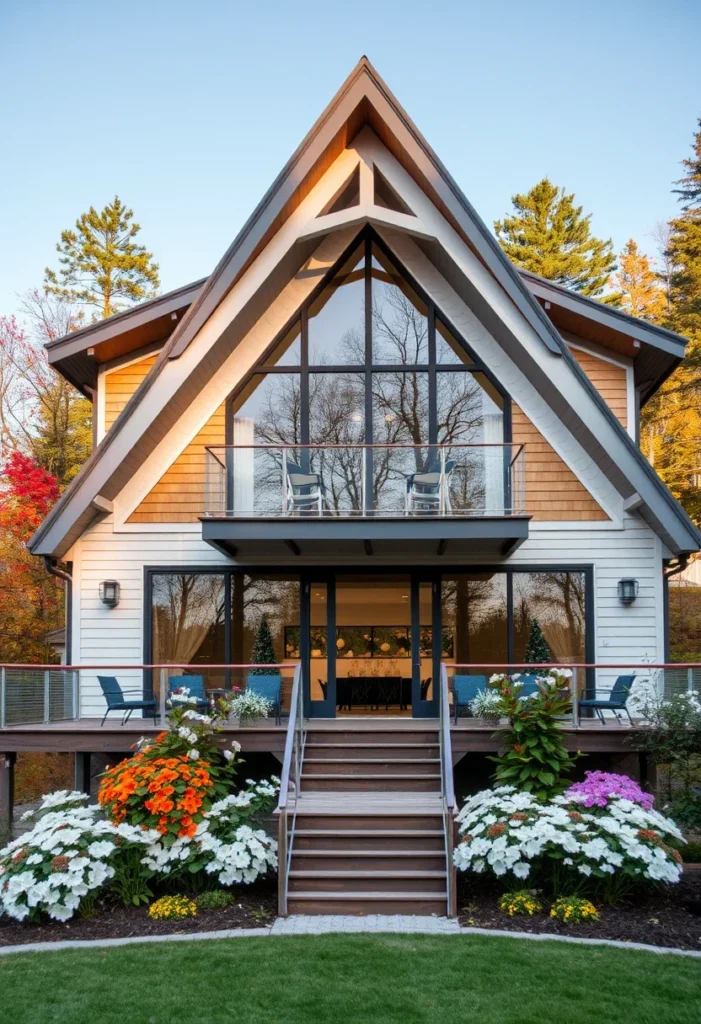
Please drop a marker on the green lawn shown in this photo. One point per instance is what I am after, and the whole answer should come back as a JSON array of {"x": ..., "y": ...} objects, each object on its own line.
[{"x": 351, "y": 979}]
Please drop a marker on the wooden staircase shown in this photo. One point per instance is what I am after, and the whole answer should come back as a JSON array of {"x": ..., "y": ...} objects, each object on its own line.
[{"x": 368, "y": 833}]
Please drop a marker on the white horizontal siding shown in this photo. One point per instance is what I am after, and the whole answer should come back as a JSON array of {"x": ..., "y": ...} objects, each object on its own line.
[{"x": 115, "y": 635}]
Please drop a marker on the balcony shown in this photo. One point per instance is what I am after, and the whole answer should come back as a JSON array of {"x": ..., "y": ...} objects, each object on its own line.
[{"x": 263, "y": 501}]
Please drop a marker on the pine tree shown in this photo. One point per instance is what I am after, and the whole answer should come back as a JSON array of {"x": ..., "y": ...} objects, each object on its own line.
[
  {"x": 548, "y": 235},
  {"x": 537, "y": 651},
  {"x": 263, "y": 648},
  {"x": 671, "y": 421},
  {"x": 639, "y": 285},
  {"x": 100, "y": 263},
  {"x": 685, "y": 254}
]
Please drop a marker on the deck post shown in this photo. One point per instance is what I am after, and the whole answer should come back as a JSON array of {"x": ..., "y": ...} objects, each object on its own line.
[
  {"x": 82, "y": 771},
  {"x": 575, "y": 698},
  {"x": 7, "y": 794},
  {"x": 162, "y": 695},
  {"x": 3, "y": 698},
  {"x": 47, "y": 696},
  {"x": 689, "y": 680}
]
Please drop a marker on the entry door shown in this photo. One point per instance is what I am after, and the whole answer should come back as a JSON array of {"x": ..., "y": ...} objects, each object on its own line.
[{"x": 425, "y": 645}]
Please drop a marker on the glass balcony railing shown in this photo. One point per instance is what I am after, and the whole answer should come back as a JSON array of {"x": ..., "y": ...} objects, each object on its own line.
[{"x": 351, "y": 481}]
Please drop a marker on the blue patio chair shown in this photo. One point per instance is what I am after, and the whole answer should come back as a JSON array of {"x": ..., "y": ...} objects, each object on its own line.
[
  {"x": 529, "y": 682},
  {"x": 423, "y": 490},
  {"x": 269, "y": 687},
  {"x": 616, "y": 700},
  {"x": 195, "y": 685},
  {"x": 114, "y": 695},
  {"x": 465, "y": 689}
]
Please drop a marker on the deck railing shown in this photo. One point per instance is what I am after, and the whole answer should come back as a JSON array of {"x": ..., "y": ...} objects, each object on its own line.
[
  {"x": 42, "y": 694},
  {"x": 597, "y": 679},
  {"x": 291, "y": 777},
  {"x": 355, "y": 480},
  {"x": 447, "y": 792}
]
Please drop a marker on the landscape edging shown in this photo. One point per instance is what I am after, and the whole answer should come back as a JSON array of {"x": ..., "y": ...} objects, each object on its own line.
[{"x": 245, "y": 933}]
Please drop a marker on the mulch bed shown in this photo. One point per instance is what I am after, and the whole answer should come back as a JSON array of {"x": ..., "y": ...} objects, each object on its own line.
[
  {"x": 255, "y": 906},
  {"x": 666, "y": 917}
]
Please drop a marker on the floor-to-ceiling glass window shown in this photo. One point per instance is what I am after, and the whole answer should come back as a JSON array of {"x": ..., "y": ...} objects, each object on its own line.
[
  {"x": 549, "y": 607},
  {"x": 203, "y": 618},
  {"x": 369, "y": 361}
]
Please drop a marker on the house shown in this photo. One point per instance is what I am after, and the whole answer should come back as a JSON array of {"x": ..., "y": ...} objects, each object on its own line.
[{"x": 369, "y": 430}]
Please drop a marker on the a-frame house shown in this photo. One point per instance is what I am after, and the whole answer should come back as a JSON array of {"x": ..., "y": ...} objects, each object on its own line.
[{"x": 371, "y": 429}]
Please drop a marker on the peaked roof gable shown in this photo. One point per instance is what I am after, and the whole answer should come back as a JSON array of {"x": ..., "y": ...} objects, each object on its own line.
[{"x": 363, "y": 99}]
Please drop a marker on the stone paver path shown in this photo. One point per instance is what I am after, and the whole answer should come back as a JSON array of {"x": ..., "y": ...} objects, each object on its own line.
[{"x": 322, "y": 924}]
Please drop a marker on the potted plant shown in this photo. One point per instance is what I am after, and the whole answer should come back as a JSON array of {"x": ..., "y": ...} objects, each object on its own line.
[
  {"x": 487, "y": 705},
  {"x": 248, "y": 707}
]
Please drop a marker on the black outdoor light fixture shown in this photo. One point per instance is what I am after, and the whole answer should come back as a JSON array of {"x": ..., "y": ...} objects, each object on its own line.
[
  {"x": 627, "y": 591},
  {"x": 109, "y": 593}
]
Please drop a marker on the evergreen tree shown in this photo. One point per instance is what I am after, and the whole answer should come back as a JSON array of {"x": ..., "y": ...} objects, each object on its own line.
[
  {"x": 263, "y": 649},
  {"x": 548, "y": 235},
  {"x": 639, "y": 285},
  {"x": 685, "y": 254},
  {"x": 100, "y": 263},
  {"x": 671, "y": 421},
  {"x": 537, "y": 651}
]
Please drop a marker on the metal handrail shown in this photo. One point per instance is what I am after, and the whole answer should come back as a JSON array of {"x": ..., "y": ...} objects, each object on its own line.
[
  {"x": 291, "y": 769},
  {"x": 447, "y": 792}
]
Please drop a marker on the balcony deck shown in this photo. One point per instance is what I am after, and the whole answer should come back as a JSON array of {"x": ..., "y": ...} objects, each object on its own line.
[
  {"x": 267, "y": 501},
  {"x": 468, "y": 735}
]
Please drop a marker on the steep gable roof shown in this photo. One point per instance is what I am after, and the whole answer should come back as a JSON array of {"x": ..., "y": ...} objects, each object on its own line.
[{"x": 363, "y": 99}]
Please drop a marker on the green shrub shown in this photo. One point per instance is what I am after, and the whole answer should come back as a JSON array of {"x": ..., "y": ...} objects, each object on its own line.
[
  {"x": 691, "y": 852},
  {"x": 218, "y": 899},
  {"x": 534, "y": 757}
]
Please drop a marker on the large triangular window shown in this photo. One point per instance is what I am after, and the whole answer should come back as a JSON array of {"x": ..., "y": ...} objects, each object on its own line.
[{"x": 370, "y": 361}]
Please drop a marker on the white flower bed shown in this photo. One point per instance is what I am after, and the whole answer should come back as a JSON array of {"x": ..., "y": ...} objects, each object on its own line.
[
  {"x": 223, "y": 843},
  {"x": 505, "y": 829},
  {"x": 67, "y": 855}
]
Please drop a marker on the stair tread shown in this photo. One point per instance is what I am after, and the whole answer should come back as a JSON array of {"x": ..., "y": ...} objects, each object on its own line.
[
  {"x": 371, "y": 760},
  {"x": 367, "y": 853},
  {"x": 348, "y": 873},
  {"x": 374, "y": 746},
  {"x": 315, "y": 894},
  {"x": 371, "y": 775},
  {"x": 386, "y": 833}
]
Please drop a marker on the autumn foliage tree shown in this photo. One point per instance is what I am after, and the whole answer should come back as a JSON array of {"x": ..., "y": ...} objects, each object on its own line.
[
  {"x": 639, "y": 285},
  {"x": 31, "y": 601}
]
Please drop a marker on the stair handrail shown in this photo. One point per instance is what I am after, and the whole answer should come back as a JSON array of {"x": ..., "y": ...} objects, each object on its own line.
[
  {"x": 291, "y": 771},
  {"x": 447, "y": 791}
]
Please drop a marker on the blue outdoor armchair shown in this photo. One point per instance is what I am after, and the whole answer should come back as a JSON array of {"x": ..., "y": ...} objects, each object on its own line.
[
  {"x": 269, "y": 687},
  {"x": 529, "y": 683},
  {"x": 114, "y": 695},
  {"x": 616, "y": 700},
  {"x": 465, "y": 689},
  {"x": 195, "y": 684}
]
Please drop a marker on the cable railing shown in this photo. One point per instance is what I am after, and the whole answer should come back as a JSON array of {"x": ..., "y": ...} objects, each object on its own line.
[
  {"x": 50, "y": 694},
  {"x": 447, "y": 793},
  {"x": 291, "y": 778},
  {"x": 596, "y": 681},
  {"x": 356, "y": 480}
]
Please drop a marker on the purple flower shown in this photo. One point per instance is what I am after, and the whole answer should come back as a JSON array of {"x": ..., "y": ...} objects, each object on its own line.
[{"x": 598, "y": 787}]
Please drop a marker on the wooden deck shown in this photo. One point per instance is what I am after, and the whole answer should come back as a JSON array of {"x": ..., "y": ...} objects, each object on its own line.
[{"x": 85, "y": 735}]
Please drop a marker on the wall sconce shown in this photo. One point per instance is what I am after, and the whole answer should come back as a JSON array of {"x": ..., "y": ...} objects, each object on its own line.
[
  {"x": 627, "y": 591},
  {"x": 109, "y": 593}
]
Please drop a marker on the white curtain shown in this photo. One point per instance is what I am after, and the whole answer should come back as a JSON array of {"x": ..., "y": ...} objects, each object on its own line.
[
  {"x": 493, "y": 462},
  {"x": 244, "y": 467}
]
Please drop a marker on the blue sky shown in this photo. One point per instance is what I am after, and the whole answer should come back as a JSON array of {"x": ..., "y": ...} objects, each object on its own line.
[{"x": 188, "y": 111}]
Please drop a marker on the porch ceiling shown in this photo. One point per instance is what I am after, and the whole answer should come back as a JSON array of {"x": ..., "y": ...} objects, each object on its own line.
[{"x": 263, "y": 539}]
